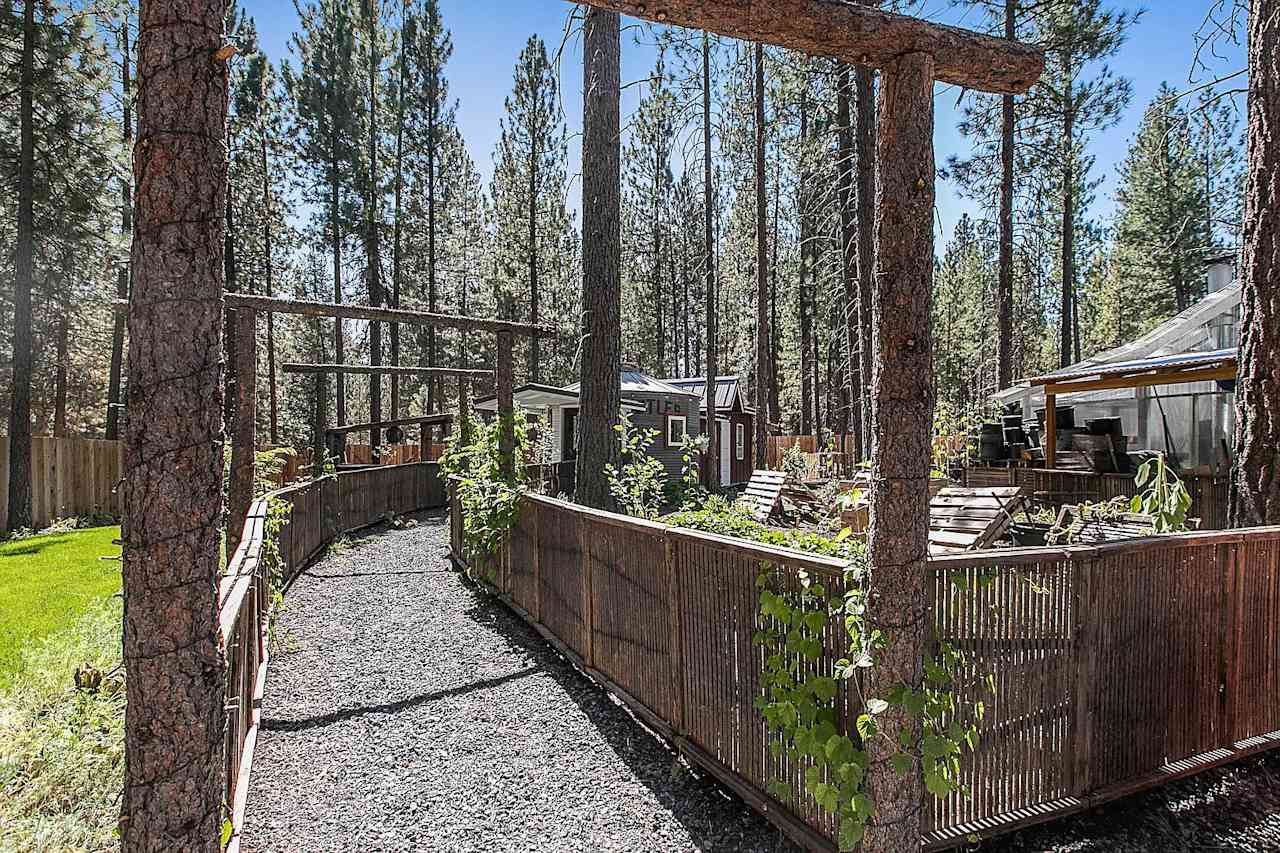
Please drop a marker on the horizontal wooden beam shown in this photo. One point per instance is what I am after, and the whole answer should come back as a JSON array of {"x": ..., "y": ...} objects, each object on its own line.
[
  {"x": 305, "y": 308},
  {"x": 853, "y": 33},
  {"x": 1165, "y": 377},
  {"x": 386, "y": 369},
  {"x": 428, "y": 420}
]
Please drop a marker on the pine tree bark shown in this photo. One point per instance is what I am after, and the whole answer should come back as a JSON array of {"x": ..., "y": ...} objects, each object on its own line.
[
  {"x": 174, "y": 666},
  {"x": 373, "y": 258},
  {"x": 764, "y": 417},
  {"x": 711, "y": 472},
  {"x": 902, "y": 419},
  {"x": 269, "y": 286},
  {"x": 804, "y": 296},
  {"x": 1004, "y": 285},
  {"x": 60, "y": 377},
  {"x": 126, "y": 227},
  {"x": 433, "y": 401},
  {"x": 335, "y": 238},
  {"x": 23, "y": 272},
  {"x": 855, "y": 306},
  {"x": 243, "y": 437},
  {"x": 865, "y": 142},
  {"x": 1068, "y": 259},
  {"x": 601, "y": 396},
  {"x": 1255, "y": 497},
  {"x": 397, "y": 234},
  {"x": 535, "y": 346}
]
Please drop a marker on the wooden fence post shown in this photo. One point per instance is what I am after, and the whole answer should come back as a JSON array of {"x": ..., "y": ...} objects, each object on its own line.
[
  {"x": 675, "y": 652},
  {"x": 588, "y": 602},
  {"x": 537, "y": 562},
  {"x": 506, "y": 426},
  {"x": 1083, "y": 611}
]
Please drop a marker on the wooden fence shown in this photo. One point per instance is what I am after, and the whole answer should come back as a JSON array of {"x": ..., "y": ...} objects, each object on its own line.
[
  {"x": 779, "y": 444},
  {"x": 318, "y": 512},
  {"x": 1116, "y": 667},
  {"x": 69, "y": 477},
  {"x": 1058, "y": 488}
]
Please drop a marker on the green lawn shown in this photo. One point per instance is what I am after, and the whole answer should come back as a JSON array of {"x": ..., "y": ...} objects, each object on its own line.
[{"x": 48, "y": 582}]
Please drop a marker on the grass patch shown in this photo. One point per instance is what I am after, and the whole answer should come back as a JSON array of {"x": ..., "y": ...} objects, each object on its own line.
[
  {"x": 47, "y": 582},
  {"x": 62, "y": 748}
]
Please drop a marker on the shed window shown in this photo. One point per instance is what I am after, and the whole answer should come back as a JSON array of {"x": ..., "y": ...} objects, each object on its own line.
[
  {"x": 740, "y": 441},
  {"x": 676, "y": 425}
]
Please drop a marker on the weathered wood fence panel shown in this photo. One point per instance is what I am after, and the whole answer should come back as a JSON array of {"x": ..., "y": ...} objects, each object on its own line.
[
  {"x": 1114, "y": 667},
  {"x": 70, "y": 477}
]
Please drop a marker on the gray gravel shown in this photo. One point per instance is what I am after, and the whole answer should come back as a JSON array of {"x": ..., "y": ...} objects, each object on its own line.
[
  {"x": 1232, "y": 808},
  {"x": 406, "y": 710}
]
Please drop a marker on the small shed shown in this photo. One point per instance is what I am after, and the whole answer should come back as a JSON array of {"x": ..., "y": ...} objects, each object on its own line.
[
  {"x": 671, "y": 407},
  {"x": 735, "y": 424}
]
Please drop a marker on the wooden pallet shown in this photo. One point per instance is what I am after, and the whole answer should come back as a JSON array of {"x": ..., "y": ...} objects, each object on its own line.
[
  {"x": 971, "y": 519},
  {"x": 763, "y": 494}
]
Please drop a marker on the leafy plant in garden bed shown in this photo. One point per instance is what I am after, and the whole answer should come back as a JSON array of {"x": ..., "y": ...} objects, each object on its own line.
[{"x": 490, "y": 498}]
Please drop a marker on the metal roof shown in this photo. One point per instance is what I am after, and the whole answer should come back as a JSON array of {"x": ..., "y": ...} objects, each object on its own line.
[
  {"x": 1188, "y": 360},
  {"x": 534, "y": 396},
  {"x": 635, "y": 382},
  {"x": 727, "y": 389}
]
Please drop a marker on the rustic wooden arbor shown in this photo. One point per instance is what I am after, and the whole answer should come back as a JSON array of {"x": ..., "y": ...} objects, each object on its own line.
[
  {"x": 425, "y": 423},
  {"x": 245, "y": 308},
  {"x": 912, "y": 55}
]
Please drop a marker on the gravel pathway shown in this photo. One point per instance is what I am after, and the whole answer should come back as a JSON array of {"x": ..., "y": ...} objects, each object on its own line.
[{"x": 407, "y": 711}]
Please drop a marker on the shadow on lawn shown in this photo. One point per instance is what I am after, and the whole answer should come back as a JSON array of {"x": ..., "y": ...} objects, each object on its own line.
[
  {"x": 32, "y": 546},
  {"x": 715, "y": 818}
]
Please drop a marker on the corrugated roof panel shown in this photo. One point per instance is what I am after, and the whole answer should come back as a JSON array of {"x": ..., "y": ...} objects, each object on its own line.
[{"x": 1142, "y": 365}]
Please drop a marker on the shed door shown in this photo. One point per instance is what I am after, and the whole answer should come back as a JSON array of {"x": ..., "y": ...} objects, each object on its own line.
[{"x": 724, "y": 430}]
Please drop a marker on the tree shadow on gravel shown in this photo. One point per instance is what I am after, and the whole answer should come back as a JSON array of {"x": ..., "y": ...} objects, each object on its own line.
[
  {"x": 715, "y": 818},
  {"x": 277, "y": 725}
]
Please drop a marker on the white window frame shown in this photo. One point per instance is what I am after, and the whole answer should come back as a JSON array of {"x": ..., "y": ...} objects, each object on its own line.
[
  {"x": 740, "y": 441},
  {"x": 684, "y": 426}
]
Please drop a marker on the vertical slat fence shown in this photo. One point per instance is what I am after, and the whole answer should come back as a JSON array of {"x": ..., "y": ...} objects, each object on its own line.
[{"x": 1114, "y": 667}]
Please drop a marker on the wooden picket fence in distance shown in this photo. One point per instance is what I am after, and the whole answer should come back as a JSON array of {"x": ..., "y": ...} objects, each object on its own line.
[{"x": 69, "y": 477}]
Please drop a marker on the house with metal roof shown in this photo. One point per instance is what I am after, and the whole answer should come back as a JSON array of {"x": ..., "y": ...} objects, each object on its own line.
[
  {"x": 670, "y": 407},
  {"x": 1170, "y": 387}
]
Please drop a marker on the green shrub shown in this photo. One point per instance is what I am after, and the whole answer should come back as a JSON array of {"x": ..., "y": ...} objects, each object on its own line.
[
  {"x": 725, "y": 518},
  {"x": 61, "y": 746}
]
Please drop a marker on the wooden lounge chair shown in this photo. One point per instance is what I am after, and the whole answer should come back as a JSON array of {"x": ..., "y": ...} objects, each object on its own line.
[
  {"x": 763, "y": 494},
  {"x": 971, "y": 519}
]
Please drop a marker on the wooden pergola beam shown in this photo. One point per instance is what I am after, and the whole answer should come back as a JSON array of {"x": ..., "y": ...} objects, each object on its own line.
[
  {"x": 390, "y": 370},
  {"x": 425, "y": 420},
  {"x": 307, "y": 308},
  {"x": 1143, "y": 380},
  {"x": 857, "y": 34}
]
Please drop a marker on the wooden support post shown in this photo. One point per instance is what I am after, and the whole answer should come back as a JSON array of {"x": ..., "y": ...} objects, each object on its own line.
[
  {"x": 243, "y": 439},
  {"x": 1085, "y": 648},
  {"x": 902, "y": 399},
  {"x": 424, "y": 442},
  {"x": 1050, "y": 431},
  {"x": 464, "y": 415},
  {"x": 505, "y": 389}
]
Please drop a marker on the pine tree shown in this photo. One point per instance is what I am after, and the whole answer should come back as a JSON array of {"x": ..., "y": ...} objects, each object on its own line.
[
  {"x": 529, "y": 187},
  {"x": 1076, "y": 96},
  {"x": 327, "y": 114},
  {"x": 1162, "y": 227}
]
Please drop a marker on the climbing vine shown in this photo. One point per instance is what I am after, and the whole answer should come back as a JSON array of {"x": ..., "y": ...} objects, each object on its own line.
[
  {"x": 490, "y": 498},
  {"x": 802, "y": 702}
]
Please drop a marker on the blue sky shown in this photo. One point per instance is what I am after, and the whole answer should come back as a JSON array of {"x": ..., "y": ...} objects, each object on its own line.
[{"x": 489, "y": 34}]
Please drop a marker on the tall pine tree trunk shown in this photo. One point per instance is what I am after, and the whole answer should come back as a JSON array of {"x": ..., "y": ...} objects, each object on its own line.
[
  {"x": 1068, "y": 260},
  {"x": 173, "y": 660},
  {"x": 764, "y": 416},
  {"x": 856, "y": 309},
  {"x": 335, "y": 237},
  {"x": 902, "y": 417},
  {"x": 397, "y": 234},
  {"x": 60, "y": 377},
  {"x": 433, "y": 387},
  {"x": 373, "y": 258},
  {"x": 601, "y": 395},
  {"x": 804, "y": 296},
  {"x": 126, "y": 227},
  {"x": 865, "y": 142},
  {"x": 270, "y": 287},
  {"x": 712, "y": 472},
  {"x": 1255, "y": 498},
  {"x": 535, "y": 347},
  {"x": 23, "y": 272},
  {"x": 1004, "y": 285}
]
